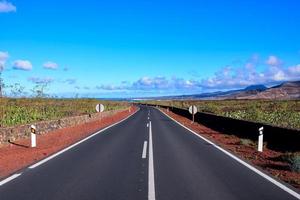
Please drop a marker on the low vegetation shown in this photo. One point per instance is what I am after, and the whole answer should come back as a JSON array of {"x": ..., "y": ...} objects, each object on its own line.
[
  {"x": 279, "y": 113},
  {"x": 246, "y": 142},
  {"x": 293, "y": 159},
  {"x": 15, "y": 111}
]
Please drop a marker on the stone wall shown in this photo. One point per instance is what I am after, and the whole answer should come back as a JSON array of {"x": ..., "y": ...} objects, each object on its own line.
[{"x": 43, "y": 127}]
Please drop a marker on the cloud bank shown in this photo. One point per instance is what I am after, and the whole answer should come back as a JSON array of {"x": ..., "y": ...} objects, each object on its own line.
[
  {"x": 228, "y": 77},
  {"x": 159, "y": 83}
]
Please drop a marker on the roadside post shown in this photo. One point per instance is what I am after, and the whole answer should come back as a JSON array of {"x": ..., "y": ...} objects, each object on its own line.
[
  {"x": 33, "y": 135},
  {"x": 100, "y": 109},
  {"x": 193, "y": 111},
  {"x": 260, "y": 139},
  {"x": 130, "y": 105}
]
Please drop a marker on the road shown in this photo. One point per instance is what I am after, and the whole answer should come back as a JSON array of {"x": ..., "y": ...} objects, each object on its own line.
[{"x": 147, "y": 156}]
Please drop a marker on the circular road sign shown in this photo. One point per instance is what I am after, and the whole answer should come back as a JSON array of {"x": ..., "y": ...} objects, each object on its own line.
[
  {"x": 193, "y": 109},
  {"x": 99, "y": 107}
]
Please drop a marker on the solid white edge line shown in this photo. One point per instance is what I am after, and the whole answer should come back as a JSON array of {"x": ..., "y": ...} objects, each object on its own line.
[
  {"x": 144, "y": 154},
  {"x": 151, "y": 186},
  {"x": 9, "y": 179},
  {"x": 77, "y": 143},
  {"x": 275, "y": 182}
]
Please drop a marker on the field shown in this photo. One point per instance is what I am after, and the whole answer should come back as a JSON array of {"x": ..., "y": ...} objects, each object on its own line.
[
  {"x": 26, "y": 110},
  {"x": 279, "y": 113}
]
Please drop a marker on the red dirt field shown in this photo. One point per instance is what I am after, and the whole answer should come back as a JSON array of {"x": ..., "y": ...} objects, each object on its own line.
[
  {"x": 18, "y": 155},
  {"x": 265, "y": 160}
]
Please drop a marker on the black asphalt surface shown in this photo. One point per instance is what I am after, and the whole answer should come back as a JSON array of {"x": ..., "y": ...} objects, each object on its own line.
[{"x": 109, "y": 166}]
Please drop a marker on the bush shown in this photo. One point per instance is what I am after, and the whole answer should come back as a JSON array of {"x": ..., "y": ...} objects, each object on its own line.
[
  {"x": 295, "y": 163},
  {"x": 246, "y": 142},
  {"x": 293, "y": 159}
]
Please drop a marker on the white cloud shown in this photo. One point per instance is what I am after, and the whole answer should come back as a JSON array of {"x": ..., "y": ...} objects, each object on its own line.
[
  {"x": 6, "y": 7},
  {"x": 70, "y": 81},
  {"x": 294, "y": 69},
  {"x": 50, "y": 65},
  {"x": 22, "y": 65},
  {"x": 3, "y": 58},
  {"x": 108, "y": 87},
  {"x": 38, "y": 80},
  {"x": 273, "y": 61}
]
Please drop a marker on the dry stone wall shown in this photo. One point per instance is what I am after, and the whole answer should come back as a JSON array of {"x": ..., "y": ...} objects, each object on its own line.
[{"x": 11, "y": 134}]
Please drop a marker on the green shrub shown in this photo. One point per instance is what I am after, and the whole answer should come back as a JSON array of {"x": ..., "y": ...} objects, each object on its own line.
[
  {"x": 295, "y": 163},
  {"x": 293, "y": 159},
  {"x": 246, "y": 142}
]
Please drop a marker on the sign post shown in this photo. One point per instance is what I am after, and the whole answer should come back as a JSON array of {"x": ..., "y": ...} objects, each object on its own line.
[
  {"x": 193, "y": 111},
  {"x": 100, "y": 109},
  {"x": 33, "y": 135},
  {"x": 260, "y": 139}
]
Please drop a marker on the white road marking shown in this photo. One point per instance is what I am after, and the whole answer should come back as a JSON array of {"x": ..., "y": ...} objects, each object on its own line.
[
  {"x": 9, "y": 179},
  {"x": 272, "y": 180},
  {"x": 151, "y": 186},
  {"x": 147, "y": 125},
  {"x": 77, "y": 143},
  {"x": 144, "y": 154}
]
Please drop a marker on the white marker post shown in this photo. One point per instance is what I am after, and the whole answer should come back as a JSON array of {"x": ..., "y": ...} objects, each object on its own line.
[
  {"x": 193, "y": 110},
  {"x": 33, "y": 135},
  {"x": 260, "y": 139}
]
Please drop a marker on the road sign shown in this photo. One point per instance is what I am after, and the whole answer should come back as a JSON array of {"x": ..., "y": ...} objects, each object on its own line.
[
  {"x": 99, "y": 107},
  {"x": 193, "y": 109}
]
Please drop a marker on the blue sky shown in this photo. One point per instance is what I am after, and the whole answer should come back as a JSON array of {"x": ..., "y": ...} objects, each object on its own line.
[{"x": 148, "y": 48}]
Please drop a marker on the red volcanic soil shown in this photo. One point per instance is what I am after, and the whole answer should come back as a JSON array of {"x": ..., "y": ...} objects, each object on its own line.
[
  {"x": 18, "y": 155},
  {"x": 245, "y": 149}
]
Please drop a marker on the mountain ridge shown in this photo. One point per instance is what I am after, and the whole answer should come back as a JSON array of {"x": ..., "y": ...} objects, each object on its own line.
[{"x": 284, "y": 91}]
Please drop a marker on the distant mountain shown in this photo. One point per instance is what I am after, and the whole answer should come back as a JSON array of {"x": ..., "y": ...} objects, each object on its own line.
[
  {"x": 256, "y": 87},
  {"x": 230, "y": 94},
  {"x": 286, "y": 90}
]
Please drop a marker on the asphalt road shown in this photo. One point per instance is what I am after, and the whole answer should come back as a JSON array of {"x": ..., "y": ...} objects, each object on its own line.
[{"x": 147, "y": 156}]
